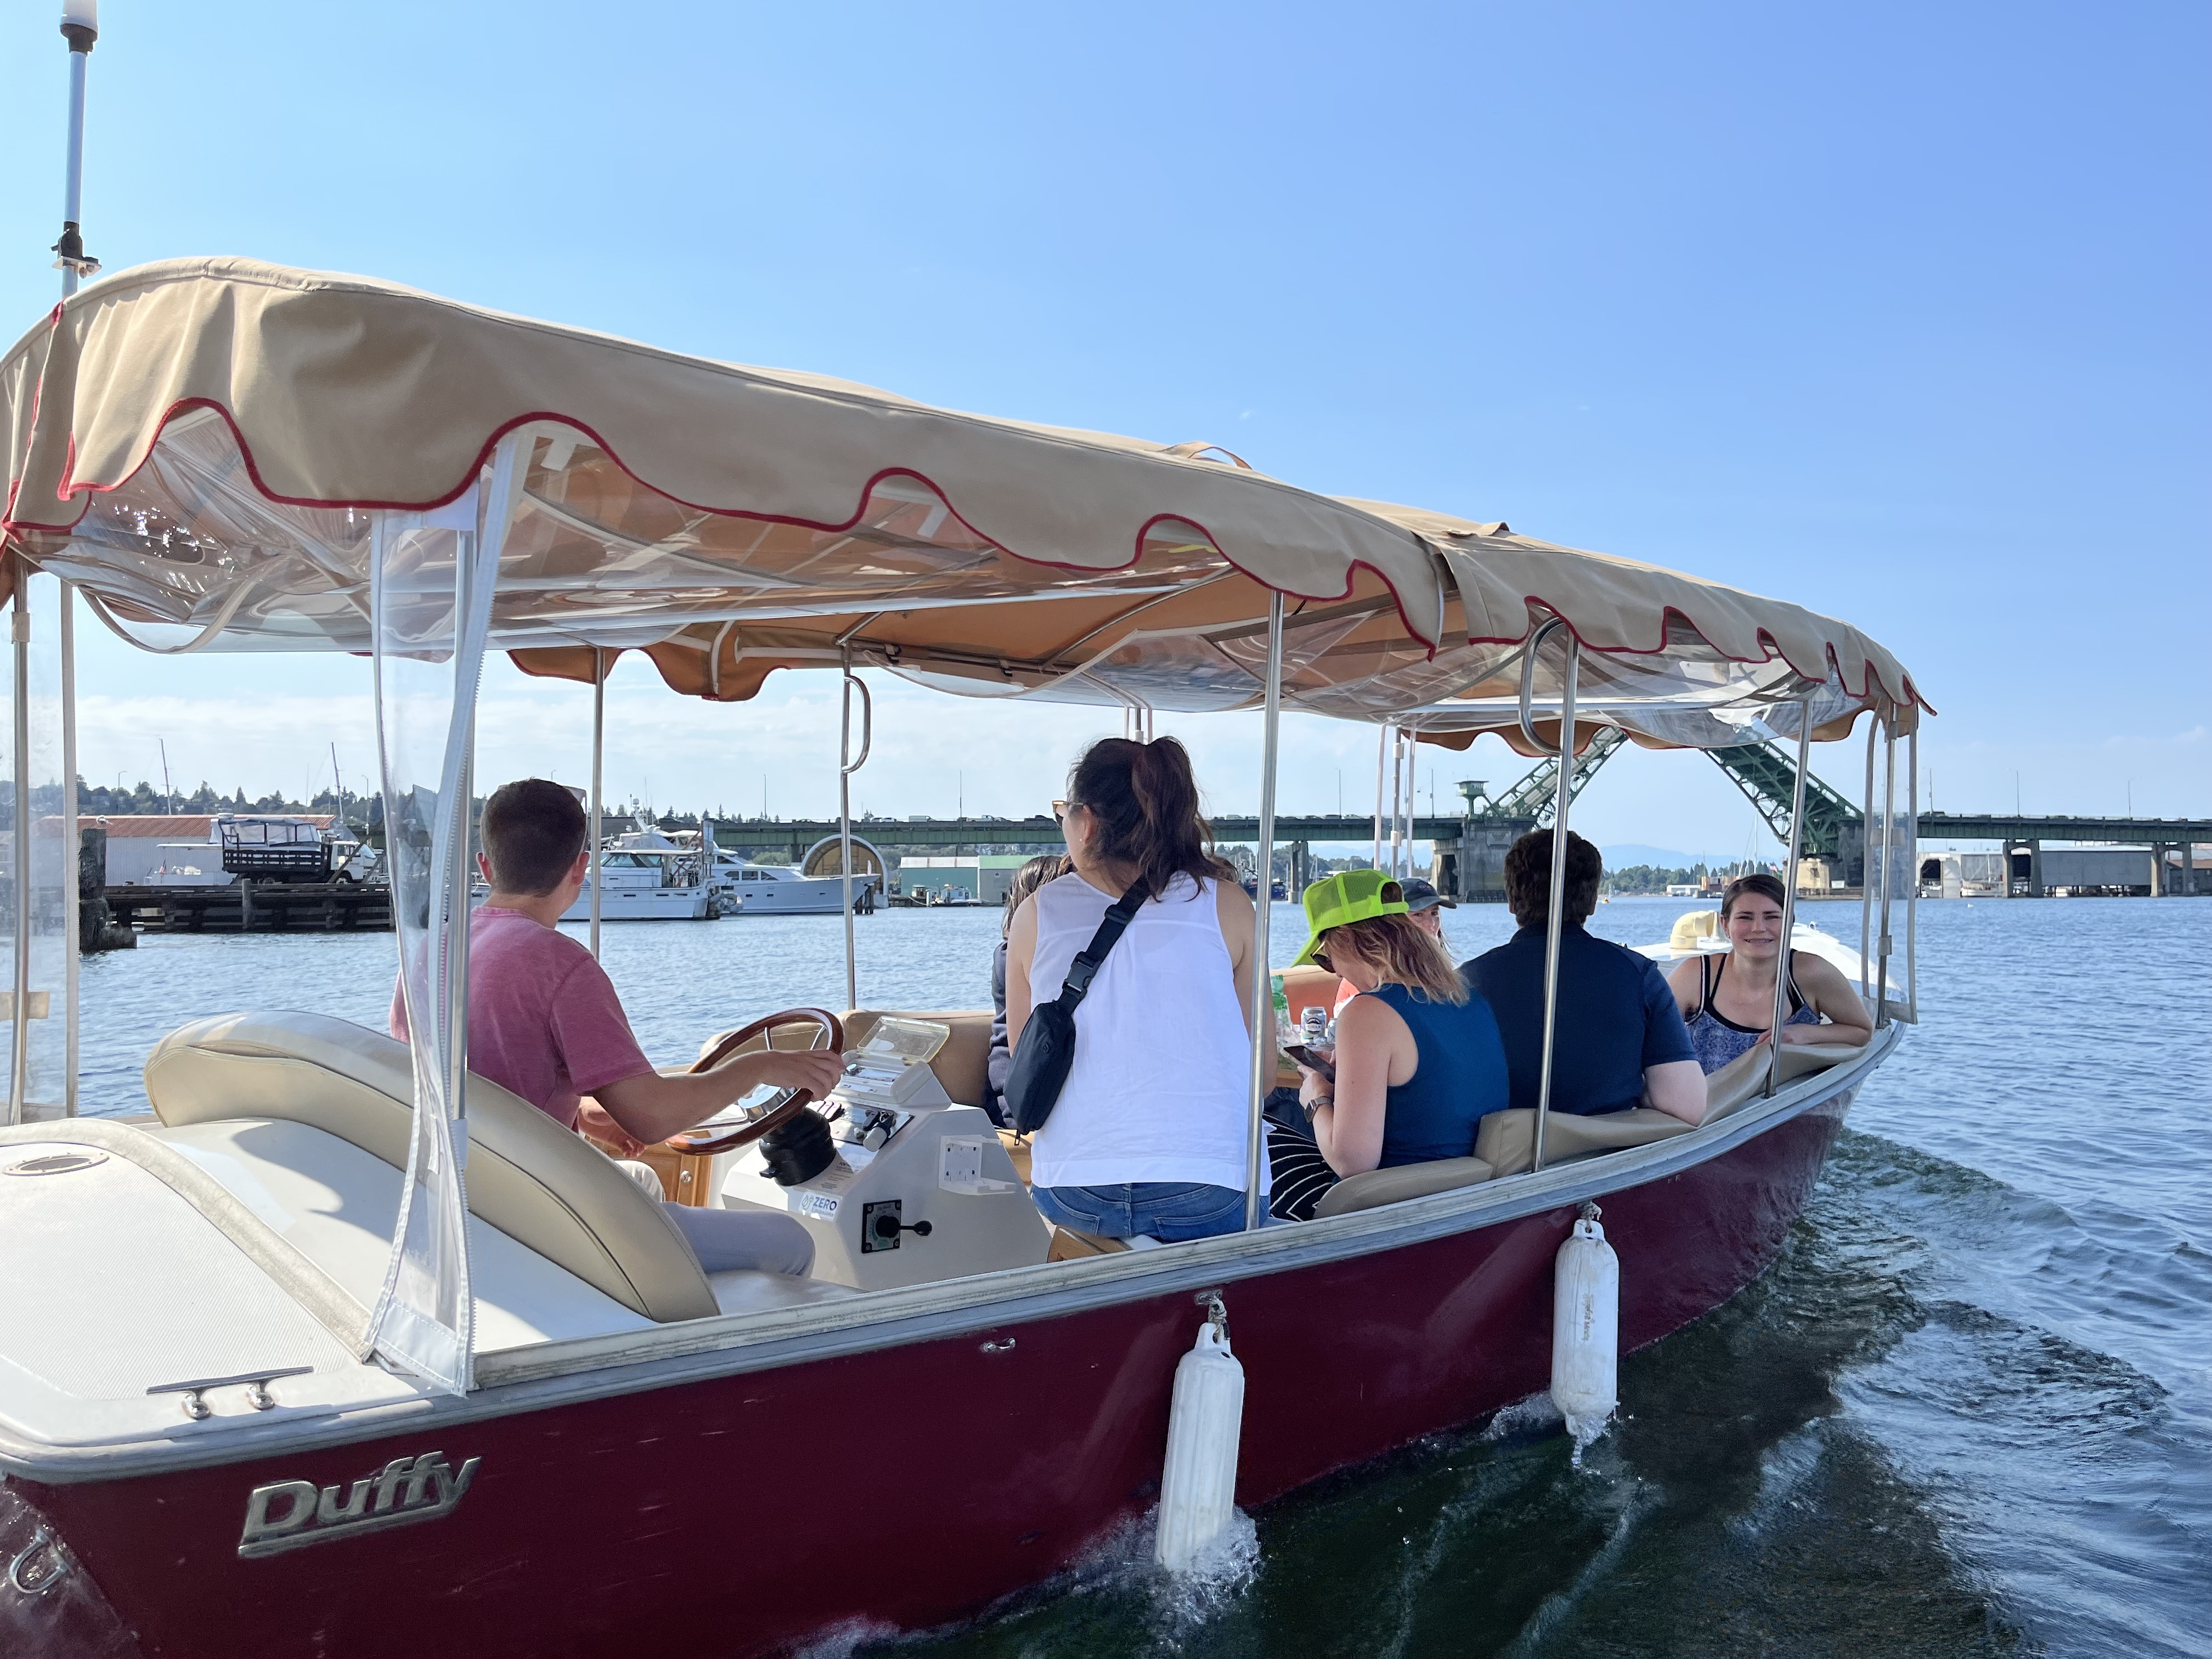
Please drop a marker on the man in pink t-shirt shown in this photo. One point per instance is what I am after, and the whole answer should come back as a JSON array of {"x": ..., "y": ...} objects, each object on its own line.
[{"x": 544, "y": 1023}]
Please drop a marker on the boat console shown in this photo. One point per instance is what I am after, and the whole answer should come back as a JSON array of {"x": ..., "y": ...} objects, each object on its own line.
[{"x": 920, "y": 1188}]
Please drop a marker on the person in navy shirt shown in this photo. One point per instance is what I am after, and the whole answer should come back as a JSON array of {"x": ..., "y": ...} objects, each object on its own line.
[{"x": 1621, "y": 1041}]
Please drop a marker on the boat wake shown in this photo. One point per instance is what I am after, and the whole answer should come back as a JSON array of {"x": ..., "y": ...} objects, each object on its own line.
[
  {"x": 1184, "y": 1604},
  {"x": 1526, "y": 1418},
  {"x": 843, "y": 1641},
  {"x": 1117, "y": 1582}
]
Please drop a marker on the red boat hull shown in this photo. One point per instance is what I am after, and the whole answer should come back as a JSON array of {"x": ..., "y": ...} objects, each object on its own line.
[{"x": 907, "y": 1485}]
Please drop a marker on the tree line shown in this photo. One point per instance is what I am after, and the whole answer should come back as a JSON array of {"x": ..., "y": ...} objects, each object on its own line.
[{"x": 102, "y": 800}]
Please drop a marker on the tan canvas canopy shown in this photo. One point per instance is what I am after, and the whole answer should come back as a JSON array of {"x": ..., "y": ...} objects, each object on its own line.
[
  {"x": 225, "y": 455},
  {"x": 201, "y": 446}
]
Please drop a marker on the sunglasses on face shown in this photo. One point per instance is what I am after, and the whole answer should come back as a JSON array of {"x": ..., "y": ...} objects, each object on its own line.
[{"x": 1060, "y": 809}]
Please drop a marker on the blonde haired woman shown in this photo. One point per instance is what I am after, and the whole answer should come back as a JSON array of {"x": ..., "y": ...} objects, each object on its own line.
[{"x": 1418, "y": 1061}]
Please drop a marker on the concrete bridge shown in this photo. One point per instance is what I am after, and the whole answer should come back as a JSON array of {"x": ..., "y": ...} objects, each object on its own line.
[
  {"x": 1469, "y": 847},
  {"x": 787, "y": 839},
  {"x": 1040, "y": 834},
  {"x": 2022, "y": 836}
]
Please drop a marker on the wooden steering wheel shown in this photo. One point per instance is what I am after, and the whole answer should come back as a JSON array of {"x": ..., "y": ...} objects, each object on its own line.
[{"x": 715, "y": 1135}]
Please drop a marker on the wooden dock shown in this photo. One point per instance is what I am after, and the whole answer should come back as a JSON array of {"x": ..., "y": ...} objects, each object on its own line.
[{"x": 255, "y": 907}]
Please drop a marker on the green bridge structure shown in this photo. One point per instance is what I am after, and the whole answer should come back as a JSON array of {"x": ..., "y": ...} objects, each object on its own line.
[{"x": 1469, "y": 846}]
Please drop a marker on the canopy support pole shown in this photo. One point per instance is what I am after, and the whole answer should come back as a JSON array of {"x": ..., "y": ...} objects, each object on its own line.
[
  {"x": 847, "y": 765},
  {"x": 1381, "y": 750},
  {"x": 1889, "y": 863},
  {"x": 1913, "y": 866},
  {"x": 72, "y": 849},
  {"x": 1555, "y": 917},
  {"x": 1263, "y": 1003},
  {"x": 1866, "y": 865},
  {"x": 1789, "y": 895},
  {"x": 19, "y": 1055},
  {"x": 1402, "y": 803},
  {"x": 1406, "y": 869},
  {"x": 74, "y": 262},
  {"x": 598, "y": 771}
]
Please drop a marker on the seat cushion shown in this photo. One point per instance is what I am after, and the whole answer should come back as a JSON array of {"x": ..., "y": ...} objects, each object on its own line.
[
  {"x": 1507, "y": 1140},
  {"x": 1374, "y": 1186},
  {"x": 1069, "y": 1245},
  {"x": 527, "y": 1175},
  {"x": 1743, "y": 1079}
]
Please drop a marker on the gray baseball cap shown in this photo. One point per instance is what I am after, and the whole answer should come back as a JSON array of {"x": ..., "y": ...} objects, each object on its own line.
[{"x": 1423, "y": 895}]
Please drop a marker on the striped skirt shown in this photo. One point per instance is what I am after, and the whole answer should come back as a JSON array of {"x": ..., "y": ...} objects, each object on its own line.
[{"x": 1298, "y": 1174}]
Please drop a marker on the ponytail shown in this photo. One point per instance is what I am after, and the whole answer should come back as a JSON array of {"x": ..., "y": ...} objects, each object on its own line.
[{"x": 1146, "y": 801}]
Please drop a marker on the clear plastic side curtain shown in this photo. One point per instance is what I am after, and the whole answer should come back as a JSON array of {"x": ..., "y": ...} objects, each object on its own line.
[
  {"x": 38, "y": 867},
  {"x": 430, "y": 603}
]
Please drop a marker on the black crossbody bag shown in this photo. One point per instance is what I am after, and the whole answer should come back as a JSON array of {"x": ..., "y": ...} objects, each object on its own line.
[{"x": 1047, "y": 1048}]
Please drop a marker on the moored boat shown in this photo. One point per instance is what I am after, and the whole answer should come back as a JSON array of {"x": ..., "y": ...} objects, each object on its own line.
[
  {"x": 643, "y": 875},
  {"x": 278, "y": 1379},
  {"x": 783, "y": 889}
]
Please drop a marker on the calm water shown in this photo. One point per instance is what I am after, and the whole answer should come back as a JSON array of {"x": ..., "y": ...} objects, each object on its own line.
[{"x": 1969, "y": 1412}]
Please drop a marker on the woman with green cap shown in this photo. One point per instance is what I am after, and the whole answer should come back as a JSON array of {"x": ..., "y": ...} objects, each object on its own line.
[{"x": 1418, "y": 1059}]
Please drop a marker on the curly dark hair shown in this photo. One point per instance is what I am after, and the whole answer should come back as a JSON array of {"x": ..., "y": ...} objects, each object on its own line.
[{"x": 1529, "y": 878}]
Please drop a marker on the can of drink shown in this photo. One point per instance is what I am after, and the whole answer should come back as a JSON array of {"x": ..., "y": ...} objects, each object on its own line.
[{"x": 1316, "y": 1021}]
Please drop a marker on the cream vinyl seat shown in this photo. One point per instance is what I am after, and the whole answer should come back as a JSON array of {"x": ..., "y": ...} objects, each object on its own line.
[
  {"x": 1505, "y": 1141},
  {"x": 534, "y": 1181}
]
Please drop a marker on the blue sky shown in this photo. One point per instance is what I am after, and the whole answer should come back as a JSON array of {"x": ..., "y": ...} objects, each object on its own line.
[{"x": 1898, "y": 312}]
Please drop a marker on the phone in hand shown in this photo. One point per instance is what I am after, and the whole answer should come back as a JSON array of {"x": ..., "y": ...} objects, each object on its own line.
[{"x": 1312, "y": 1060}]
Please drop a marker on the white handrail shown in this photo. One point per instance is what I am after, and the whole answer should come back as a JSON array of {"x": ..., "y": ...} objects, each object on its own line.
[
  {"x": 1263, "y": 1000},
  {"x": 1790, "y": 897},
  {"x": 1555, "y": 919},
  {"x": 847, "y": 765},
  {"x": 598, "y": 764}
]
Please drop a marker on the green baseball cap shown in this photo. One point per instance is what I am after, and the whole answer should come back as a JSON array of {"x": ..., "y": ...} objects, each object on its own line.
[{"x": 1349, "y": 895}]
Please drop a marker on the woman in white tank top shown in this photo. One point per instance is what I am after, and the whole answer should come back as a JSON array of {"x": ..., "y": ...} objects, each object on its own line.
[{"x": 1150, "y": 1134}]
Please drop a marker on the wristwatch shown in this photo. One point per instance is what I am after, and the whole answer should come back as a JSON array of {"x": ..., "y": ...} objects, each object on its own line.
[{"x": 1316, "y": 1103}]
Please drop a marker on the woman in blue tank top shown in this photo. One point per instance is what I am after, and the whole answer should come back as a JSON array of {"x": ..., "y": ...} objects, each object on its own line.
[{"x": 1418, "y": 1058}]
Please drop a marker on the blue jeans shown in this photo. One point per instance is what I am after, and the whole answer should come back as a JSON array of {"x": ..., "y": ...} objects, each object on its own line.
[{"x": 1170, "y": 1210}]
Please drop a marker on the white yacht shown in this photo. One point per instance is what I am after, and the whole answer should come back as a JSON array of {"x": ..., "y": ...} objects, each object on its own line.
[
  {"x": 778, "y": 890},
  {"x": 783, "y": 889},
  {"x": 646, "y": 877},
  {"x": 643, "y": 886}
]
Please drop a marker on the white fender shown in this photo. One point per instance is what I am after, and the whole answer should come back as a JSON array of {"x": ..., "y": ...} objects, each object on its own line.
[
  {"x": 1586, "y": 1331},
  {"x": 1198, "y": 1490}
]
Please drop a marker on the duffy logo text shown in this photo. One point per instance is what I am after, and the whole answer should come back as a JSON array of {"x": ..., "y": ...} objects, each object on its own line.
[{"x": 287, "y": 1515}]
